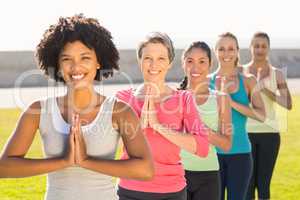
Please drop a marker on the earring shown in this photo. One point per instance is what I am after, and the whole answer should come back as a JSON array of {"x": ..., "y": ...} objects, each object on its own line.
[{"x": 59, "y": 74}]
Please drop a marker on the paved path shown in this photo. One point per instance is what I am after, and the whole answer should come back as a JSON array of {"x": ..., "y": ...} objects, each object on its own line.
[{"x": 21, "y": 97}]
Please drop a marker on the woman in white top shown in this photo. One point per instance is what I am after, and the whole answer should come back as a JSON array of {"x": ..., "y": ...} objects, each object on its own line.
[
  {"x": 264, "y": 136},
  {"x": 80, "y": 130}
]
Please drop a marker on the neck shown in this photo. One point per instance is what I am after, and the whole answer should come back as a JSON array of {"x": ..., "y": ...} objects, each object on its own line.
[
  {"x": 81, "y": 99},
  {"x": 227, "y": 70},
  {"x": 259, "y": 63},
  {"x": 159, "y": 87},
  {"x": 199, "y": 88}
]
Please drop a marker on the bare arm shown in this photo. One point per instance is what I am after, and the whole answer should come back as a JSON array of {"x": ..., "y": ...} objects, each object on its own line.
[
  {"x": 13, "y": 163},
  {"x": 284, "y": 98},
  {"x": 139, "y": 165},
  {"x": 257, "y": 109},
  {"x": 223, "y": 139}
]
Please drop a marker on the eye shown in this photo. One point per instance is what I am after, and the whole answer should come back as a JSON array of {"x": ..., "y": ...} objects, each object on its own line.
[
  {"x": 162, "y": 58},
  {"x": 64, "y": 59},
  {"x": 86, "y": 58},
  {"x": 202, "y": 61},
  {"x": 189, "y": 60},
  {"x": 221, "y": 49}
]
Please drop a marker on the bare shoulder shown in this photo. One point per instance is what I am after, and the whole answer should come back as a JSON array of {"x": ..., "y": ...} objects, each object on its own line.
[
  {"x": 249, "y": 78},
  {"x": 122, "y": 112},
  {"x": 121, "y": 108},
  {"x": 35, "y": 105},
  {"x": 279, "y": 74},
  {"x": 241, "y": 69},
  {"x": 34, "y": 109},
  {"x": 249, "y": 81}
]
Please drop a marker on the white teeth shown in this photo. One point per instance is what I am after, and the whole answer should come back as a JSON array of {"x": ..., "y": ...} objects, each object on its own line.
[
  {"x": 195, "y": 75},
  {"x": 153, "y": 72},
  {"x": 227, "y": 59},
  {"x": 77, "y": 76}
]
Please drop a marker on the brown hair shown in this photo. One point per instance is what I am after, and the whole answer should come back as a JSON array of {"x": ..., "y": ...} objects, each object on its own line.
[
  {"x": 157, "y": 37},
  {"x": 200, "y": 45},
  {"x": 261, "y": 35}
]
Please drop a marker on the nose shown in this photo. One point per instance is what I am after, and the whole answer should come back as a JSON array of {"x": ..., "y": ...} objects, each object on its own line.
[
  {"x": 227, "y": 52},
  {"x": 75, "y": 65},
  {"x": 153, "y": 64}
]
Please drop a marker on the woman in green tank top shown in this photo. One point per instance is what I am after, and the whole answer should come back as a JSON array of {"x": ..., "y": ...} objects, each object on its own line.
[{"x": 202, "y": 174}]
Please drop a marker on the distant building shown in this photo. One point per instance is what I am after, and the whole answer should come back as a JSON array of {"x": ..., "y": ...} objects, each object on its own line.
[{"x": 18, "y": 69}]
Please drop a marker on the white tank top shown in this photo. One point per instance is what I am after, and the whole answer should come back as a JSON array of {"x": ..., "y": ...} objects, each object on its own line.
[
  {"x": 271, "y": 124},
  {"x": 75, "y": 183}
]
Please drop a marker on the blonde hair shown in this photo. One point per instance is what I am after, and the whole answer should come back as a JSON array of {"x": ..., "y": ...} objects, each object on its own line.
[{"x": 232, "y": 36}]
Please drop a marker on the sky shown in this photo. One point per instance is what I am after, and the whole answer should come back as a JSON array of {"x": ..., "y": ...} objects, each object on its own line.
[{"x": 24, "y": 22}]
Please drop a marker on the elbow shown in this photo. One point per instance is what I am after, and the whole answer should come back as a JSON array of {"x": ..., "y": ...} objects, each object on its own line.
[
  {"x": 227, "y": 147},
  {"x": 147, "y": 173},
  {"x": 289, "y": 106},
  {"x": 202, "y": 146},
  {"x": 2, "y": 168},
  {"x": 203, "y": 151},
  {"x": 261, "y": 117}
]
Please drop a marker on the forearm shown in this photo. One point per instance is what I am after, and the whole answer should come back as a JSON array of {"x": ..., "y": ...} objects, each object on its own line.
[
  {"x": 16, "y": 167},
  {"x": 221, "y": 141},
  {"x": 282, "y": 100},
  {"x": 254, "y": 113},
  {"x": 132, "y": 168},
  {"x": 195, "y": 144}
]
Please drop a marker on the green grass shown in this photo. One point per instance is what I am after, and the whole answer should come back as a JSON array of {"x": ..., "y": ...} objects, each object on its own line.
[{"x": 285, "y": 182}]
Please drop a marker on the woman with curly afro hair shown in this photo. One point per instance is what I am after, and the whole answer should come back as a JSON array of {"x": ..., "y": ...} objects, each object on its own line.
[{"x": 81, "y": 129}]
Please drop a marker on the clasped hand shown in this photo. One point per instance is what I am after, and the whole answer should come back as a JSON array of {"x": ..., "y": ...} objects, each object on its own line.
[{"x": 76, "y": 153}]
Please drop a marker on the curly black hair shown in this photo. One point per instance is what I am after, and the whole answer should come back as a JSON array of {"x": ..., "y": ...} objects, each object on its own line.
[{"x": 70, "y": 29}]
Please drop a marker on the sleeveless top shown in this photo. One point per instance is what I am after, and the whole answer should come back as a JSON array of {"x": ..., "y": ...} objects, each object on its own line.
[
  {"x": 209, "y": 116},
  {"x": 270, "y": 125},
  {"x": 75, "y": 183},
  {"x": 240, "y": 139}
]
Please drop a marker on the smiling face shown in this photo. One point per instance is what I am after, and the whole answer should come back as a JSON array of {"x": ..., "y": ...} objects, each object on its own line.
[
  {"x": 154, "y": 62},
  {"x": 259, "y": 48},
  {"x": 227, "y": 51},
  {"x": 196, "y": 65},
  {"x": 78, "y": 64}
]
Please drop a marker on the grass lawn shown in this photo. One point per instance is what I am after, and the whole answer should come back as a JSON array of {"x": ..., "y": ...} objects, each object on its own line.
[{"x": 285, "y": 183}]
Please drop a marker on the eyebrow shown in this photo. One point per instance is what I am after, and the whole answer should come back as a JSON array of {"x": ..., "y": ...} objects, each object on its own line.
[
  {"x": 85, "y": 53},
  {"x": 201, "y": 58},
  {"x": 82, "y": 54}
]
